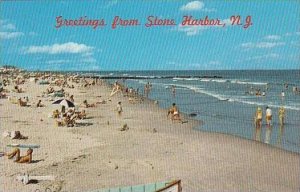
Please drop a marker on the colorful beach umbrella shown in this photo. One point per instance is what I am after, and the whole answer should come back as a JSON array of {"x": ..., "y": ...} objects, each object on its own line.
[{"x": 64, "y": 102}]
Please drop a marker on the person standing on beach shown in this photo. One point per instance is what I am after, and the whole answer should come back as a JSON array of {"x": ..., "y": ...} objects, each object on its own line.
[
  {"x": 268, "y": 116},
  {"x": 281, "y": 114},
  {"x": 173, "y": 89},
  {"x": 147, "y": 89},
  {"x": 258, "y": 118},
  {"x": 71, "y": 98},
  {"x": 119, "y": 108}
]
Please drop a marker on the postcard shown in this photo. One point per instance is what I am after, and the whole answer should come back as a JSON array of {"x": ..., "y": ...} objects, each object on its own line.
[{"x": 150, "y": 96}]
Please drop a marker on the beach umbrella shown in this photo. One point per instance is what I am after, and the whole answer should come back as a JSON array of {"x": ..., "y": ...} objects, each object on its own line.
[{"x": 64, "y": 102}]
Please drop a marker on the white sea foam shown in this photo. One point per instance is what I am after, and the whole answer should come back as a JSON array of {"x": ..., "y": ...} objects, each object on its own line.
[
  {"x": 185, "y": 79},
  {"x": 247, "y": 82}
]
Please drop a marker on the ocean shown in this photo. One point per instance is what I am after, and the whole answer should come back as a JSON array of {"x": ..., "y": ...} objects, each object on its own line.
[{"x": 226, "y": 101}]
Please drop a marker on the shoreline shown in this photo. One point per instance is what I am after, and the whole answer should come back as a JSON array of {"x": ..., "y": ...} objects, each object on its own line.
[{"x": 153, "y": 149}]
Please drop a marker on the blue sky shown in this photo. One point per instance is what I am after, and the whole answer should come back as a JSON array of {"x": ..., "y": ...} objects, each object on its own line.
[{"x": 30, "y": 40}]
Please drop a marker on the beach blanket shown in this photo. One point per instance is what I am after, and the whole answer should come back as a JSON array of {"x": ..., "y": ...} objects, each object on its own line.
[
  {"x": 44, "y": 83},
  {"x": 24, "y": 145}
]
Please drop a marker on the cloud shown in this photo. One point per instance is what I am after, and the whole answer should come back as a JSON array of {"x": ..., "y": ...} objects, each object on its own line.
[
  {"x": 88, "y": 60},
  {"x": 193, "y": 6},
  {"x": 8, "y": 26},
  {"x": 261, "y": 58},
  {"x": 191, "y": 30},
  {"x": 8, "y": 30},
  {"x": 111, "y": 4},
  {"x": 59, "y": 61},
  {"x": 10, "y": 35},
  {"x": 216, "y": 62},
  {"x": 32, "y": 33},
  {"x": 295, "y": 43},
  {"x": 273, "y": 37},
  {"x": 267, "y": 45},
  {"x": 69, "y": 47}
]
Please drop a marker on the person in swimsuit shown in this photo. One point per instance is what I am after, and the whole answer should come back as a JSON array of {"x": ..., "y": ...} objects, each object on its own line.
[
  {"x": 258, "y": 118},
  {"x": 20, "y": 159},
  {"x": 174, "y": 113},
  {"x": 281, "y": 114},
  {"x": 268, "y": 116}
]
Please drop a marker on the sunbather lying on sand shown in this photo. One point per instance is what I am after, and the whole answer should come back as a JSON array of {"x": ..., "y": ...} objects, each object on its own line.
[
  {"x": 2, "y": 95},
  {"x": 81, "y": 115},
  {"x": 20, "y": 159},
  {"x": 86, "y": 105},
  {"x": 50, "y": 90},
  {"x": 22, "y": 103},
  {"x": 66, "y": 121}
]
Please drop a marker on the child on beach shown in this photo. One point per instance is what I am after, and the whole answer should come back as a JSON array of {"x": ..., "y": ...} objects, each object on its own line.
[{"x": 119, "y": 108}]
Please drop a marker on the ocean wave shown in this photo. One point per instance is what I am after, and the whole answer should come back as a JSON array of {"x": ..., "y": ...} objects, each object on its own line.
[
  {"x": 222, "y": 97},
  {"x": 247, "y": 82},
  {"x": 238, "y": 99},
  {"x": 220, "y": 80},
  {"x": 146, "y": 77},
  {"x": 264, "y": 104},
  {"x": 185, "y": 79}
]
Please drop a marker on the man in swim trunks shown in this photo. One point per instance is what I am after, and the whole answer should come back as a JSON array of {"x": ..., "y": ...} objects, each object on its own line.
[{"x": 268, "y": 116}]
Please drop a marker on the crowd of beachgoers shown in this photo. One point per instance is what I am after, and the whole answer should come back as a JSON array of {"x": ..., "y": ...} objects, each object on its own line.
[{"x": 79, "y": 128}]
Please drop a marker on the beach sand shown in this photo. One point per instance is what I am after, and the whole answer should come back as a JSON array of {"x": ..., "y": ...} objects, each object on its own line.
[{"x": 154, "y": 149}]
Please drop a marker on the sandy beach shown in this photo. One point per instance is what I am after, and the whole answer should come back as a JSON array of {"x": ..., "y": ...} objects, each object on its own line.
[{"x": 97, "y": 155}]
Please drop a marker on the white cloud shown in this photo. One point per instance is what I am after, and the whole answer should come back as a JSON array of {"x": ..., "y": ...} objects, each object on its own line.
[
  {"x": 60, "y": 61},
  {"x": 273, "y": 37},
  {"x": 8, "y": 26},
  {"x": 209, "y": 10},
  {"x": 32, "y": 33},
  {"x": 261, "y": 58},
  {"x": 192, "y": 6},
  {"x": 8, "y": 30},
  {"x": 295, "y": 43},
  {"x": 88, "y": 60},
  {"x": 69, "y": 47},
  {"x": 216, "y": 62},
  {"x": 191, "y": 30},
  {"x": 111, "y": 3},
  {"x": 10, "y": 35},
  {"x": 250, "y": 45},
  {"x": 288, "y": 34}
]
